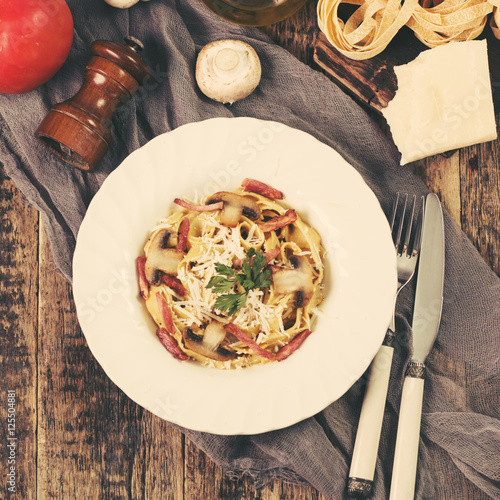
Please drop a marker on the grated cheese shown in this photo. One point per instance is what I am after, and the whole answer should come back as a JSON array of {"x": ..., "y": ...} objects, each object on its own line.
[{"x": 221, "y": 244}]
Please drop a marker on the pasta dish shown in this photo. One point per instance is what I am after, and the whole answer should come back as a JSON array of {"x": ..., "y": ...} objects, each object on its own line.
[{"x": 234, "y": 281}]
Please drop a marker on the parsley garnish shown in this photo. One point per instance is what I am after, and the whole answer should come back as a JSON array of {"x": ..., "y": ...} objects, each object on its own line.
[{"x": 253, "y": 276}]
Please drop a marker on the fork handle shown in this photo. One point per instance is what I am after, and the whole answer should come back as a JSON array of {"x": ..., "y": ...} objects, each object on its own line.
[
  {"x": 365, "y": 452},
  {"x": 404, "y": 470}
]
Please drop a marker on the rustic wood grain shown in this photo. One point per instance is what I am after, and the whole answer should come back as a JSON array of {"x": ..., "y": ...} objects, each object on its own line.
[
  {"x": 18, "y": 339},
  {"x": 79, "y": 435},
  {"x": 297, "y": 33},
  {"x": 441, "y": 175},
  {"x": 480, "y": 199}
]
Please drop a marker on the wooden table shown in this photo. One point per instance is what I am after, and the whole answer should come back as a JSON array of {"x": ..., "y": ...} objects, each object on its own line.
[{"x": 78, "y": 436}]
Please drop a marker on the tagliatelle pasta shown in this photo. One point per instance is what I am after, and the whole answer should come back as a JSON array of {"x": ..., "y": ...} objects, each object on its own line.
[
  {"x": 234, "y": 281},
  {"x": 374, "y": 24}
]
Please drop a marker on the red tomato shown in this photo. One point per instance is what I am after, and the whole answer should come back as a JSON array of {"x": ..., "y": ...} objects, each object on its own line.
[{"x": 35, "y": 38}]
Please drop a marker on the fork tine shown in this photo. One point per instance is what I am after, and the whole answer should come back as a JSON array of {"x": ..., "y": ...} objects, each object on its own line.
[
  {"x": 394, "y": 210},
  {"x": 400, "y": 225},
  {"x": 406, "y": 243}
]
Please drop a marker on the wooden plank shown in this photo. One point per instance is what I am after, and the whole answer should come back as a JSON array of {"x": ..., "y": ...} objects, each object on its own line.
[
  {"x": 158, "y": 460},
  {"x": 297, "y": 33},
  {"x": 441, "y": 175},
  {"x": 94, "y": 442},
  {"x": 480, "y": 197},
  {"x": 18, "y": 341}
]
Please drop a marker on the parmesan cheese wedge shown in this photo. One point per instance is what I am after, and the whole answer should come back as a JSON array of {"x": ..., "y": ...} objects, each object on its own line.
[{"x": 443, "y": 102}]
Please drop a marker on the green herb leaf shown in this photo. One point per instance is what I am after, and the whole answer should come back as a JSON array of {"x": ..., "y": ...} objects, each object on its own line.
[
  {"x": 263, "y": 279},
  {"x": 258, "y": 263},
  {"x": 220, "y": 284},
  {"x": 231, "y": 302},
  {"x": 224, "y": 270},
  {"x": 254, "y": 275},
  {"x": 246, "y": 267},
  {"x": 251, "y": 252}
]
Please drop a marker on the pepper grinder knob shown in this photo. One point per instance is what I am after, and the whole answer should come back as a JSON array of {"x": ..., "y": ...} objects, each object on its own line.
[{"x": 78, "y": 130}]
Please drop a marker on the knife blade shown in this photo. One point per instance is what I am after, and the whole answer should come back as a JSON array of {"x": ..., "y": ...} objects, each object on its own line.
[{"x": 425, "y": 326}]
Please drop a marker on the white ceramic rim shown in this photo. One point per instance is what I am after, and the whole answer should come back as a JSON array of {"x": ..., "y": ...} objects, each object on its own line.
[{"x": 198, "y": 159}]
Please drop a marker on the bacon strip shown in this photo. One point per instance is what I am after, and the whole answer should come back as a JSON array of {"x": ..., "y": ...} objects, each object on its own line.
[
  {"x": 140, "y": 264},
  {"x": 271, "y": 255},
  {"x": 259, "y": 187},
  {"x": 169, "y": 343},
  {"x": 199, "y": 208},
  {"x": 241, "y": 335},
  {"x": 165, "y": 312},
  {"x": 174, "y": 284},
  {"x": 279, "y": 221},
  {"x": 183, "y": 234},
  {"x": 292, "y": 346}
]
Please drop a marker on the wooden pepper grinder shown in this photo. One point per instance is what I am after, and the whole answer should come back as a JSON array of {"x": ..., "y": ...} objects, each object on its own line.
[{"x": 78, "y": 130}]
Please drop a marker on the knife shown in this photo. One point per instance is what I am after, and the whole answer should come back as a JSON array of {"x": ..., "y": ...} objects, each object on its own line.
[{"x": 425, "y": 326}]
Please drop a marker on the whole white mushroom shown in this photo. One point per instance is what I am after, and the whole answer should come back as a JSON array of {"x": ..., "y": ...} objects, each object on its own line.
[
  {"x": 228, "y": 70},
  {"x": 122, "y": 4}
]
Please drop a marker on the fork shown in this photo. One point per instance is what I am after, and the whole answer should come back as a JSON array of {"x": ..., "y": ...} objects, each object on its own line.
[{"x": 407, "y": 238}]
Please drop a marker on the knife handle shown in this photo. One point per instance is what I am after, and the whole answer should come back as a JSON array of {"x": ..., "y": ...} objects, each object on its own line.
[
  {"x": 365, "y": 452},
  {"x": 404, "y": 470}
]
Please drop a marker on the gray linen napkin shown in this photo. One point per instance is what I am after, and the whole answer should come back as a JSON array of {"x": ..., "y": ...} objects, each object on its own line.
[{"x": 460, "y": 427}]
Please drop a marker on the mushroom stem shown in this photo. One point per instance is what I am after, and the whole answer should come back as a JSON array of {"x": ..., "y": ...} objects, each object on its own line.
[{"x": 226, "y": 59}]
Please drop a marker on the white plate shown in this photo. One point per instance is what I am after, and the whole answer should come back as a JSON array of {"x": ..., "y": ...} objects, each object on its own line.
[{"x": 198, "y": 159}]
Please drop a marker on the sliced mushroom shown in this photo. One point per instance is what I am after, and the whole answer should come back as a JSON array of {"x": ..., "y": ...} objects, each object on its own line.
[
  {"x": 234, "y": 206},
  {"x": 208, "y": 345},
  {"x": 298, "y": 280},
  {"x": 161, "y": 258}
]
